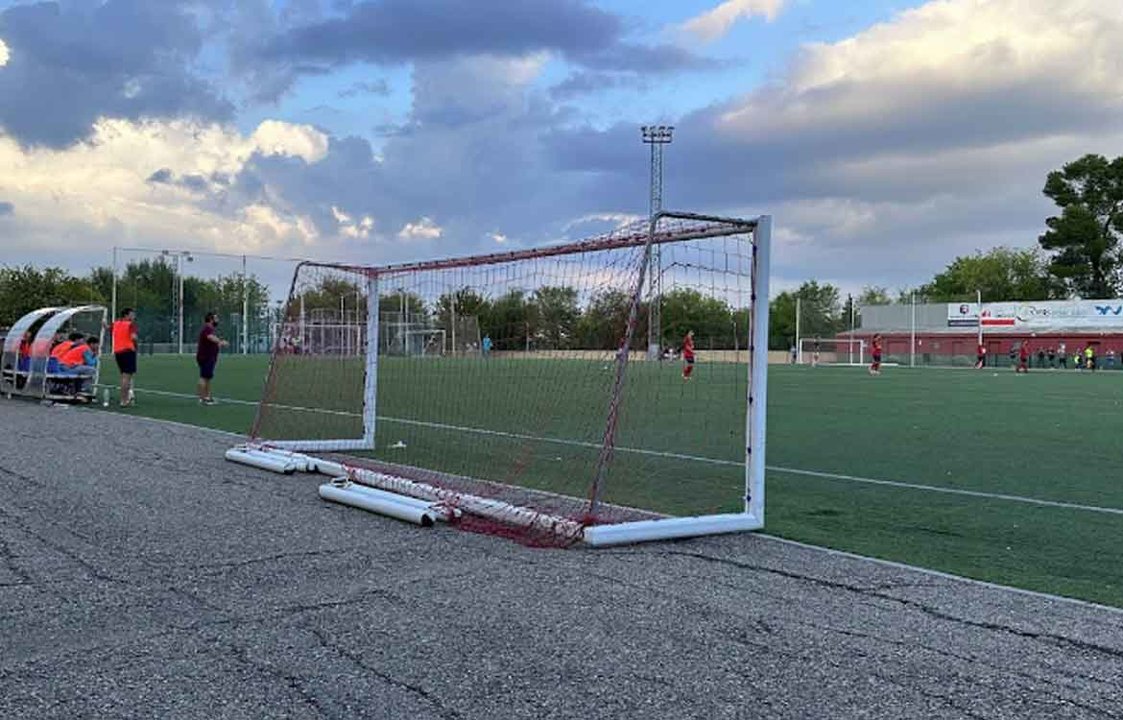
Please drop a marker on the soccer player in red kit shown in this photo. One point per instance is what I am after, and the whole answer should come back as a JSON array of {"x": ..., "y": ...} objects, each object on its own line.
[
  {"x": 1023, "y": 358},
  {"x": 981, "y": 357},
  {"x": 875, "y": 367},
  {"x": 688, "y": 355}
]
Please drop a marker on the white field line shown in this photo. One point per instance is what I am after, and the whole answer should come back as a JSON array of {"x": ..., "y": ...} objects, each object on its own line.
[
  {"x": 940, "y": 574},
  {"x": 697, "y": 458}
]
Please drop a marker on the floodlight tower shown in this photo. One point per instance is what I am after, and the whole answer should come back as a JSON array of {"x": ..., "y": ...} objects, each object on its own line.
[
  {"x": 179, "y": 256},
  {"x": 656, "y": 136}
]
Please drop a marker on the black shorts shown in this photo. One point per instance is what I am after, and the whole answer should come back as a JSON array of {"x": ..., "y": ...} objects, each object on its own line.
[
  {"x": 876, "y": 359},
  {"x": 206, "y": 368},
  {"x": 979, "y": 359},
  {"x": 126, "y": 362},
  {"x": 688, "y": 361}
]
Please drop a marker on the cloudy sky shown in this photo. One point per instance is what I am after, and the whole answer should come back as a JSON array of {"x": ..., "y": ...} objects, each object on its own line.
[{"x": 885, "y": 137}]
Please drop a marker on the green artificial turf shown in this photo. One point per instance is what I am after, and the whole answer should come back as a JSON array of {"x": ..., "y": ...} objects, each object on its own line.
[{"x": 1052, "y": 436}]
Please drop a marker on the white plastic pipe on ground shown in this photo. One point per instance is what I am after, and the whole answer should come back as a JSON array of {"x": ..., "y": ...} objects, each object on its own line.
[
  {"x": 263, "y": 462},
  {"x": 304, "y": 463},
  {"x": 497, "y": 510},
  {"x": 350, "y": 495},
  {"x": 439, "y": 512}
]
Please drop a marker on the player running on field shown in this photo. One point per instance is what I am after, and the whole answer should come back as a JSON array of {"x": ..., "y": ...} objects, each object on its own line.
[
  {"x": 688, "y": 355},
  {"x": 981, "y": 357},
  {"x": 875, "y": 366}
]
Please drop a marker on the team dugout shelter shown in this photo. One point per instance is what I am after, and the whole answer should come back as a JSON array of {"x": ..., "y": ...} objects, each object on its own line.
[
  {"x": 947, "y": 334},
  {"x": 26, "y": 366}
]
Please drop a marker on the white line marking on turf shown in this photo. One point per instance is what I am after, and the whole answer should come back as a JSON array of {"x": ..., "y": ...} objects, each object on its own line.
[
  {"x": 697, "y": 458},
  {"x": 941, "y": 574},
  {"x": 949, "y": 491}
]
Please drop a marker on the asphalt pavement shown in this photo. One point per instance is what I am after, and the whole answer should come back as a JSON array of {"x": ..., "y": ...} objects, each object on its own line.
[{"x": 142, "y": 576}]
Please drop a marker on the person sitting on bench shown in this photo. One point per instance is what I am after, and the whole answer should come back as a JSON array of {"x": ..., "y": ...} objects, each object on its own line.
[
  {"x": 23, "y": 362},
  {"x": 65, "y": 346},
  {"x": 81, "y": 361}
]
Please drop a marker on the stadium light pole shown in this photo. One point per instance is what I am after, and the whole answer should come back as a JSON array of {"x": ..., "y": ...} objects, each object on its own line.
[
  {"x": 245, "y": 309},
  {"x": 655, "y": 136},
  {"x": 798, "y": 315},
  {"x": 912, "y": 334},
  {"x": 177, "y": 289},
  {"x": 113, "y": 300},
  {"x": 850, "y": 344},
  {"x": 979, "y": 312}
]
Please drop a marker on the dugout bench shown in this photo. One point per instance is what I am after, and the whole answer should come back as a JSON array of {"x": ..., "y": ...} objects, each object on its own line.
[{"x": 28, "y": 370}]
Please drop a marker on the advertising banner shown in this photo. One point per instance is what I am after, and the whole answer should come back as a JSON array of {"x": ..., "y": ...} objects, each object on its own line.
[{"x": 1043, "y": 315}]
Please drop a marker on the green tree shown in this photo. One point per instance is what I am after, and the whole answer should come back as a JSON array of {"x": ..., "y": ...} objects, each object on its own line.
[
  {"x": 710, "y": 318},
  {"x": 1001, "y": 274},
  {"x": 468, "y": 303},
  {"x": 402, "y": 300},
  {"x": 1085, "y": 238},
  {"x": 874, "y": 295},
  {"x": 553, "y": 317},
  {"x": 602, "y": 324},
  {"x": 508, "y": 321},
  {"x": 23, "y": 289},
  {"x": 820, "y": 314}
]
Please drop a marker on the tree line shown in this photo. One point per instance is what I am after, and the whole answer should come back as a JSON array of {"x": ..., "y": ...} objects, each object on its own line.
[{"x": 150, "y": 286}]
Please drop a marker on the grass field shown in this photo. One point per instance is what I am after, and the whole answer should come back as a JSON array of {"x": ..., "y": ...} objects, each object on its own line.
[{"x": 909, "y": 466}]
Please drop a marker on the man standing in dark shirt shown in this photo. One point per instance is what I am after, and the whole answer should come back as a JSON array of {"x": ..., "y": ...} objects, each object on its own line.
[{"x": 206, "y": 356}]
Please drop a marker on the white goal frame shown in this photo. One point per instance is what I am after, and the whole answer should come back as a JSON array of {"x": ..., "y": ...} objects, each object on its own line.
[
  {"x": 751, "y": 516},
  {"x": 847, "y": 352}
]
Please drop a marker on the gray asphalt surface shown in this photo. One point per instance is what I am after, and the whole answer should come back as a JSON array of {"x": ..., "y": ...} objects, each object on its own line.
[{"x": 161, "y": 581}]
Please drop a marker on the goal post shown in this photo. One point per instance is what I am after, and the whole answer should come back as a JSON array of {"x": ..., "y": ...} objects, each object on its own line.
[
  {"x": 560, "y": 428},
  {"x": 833, "y": 351}
]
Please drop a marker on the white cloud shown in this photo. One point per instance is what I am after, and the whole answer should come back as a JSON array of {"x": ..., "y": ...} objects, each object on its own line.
[
  {"x": 340, "y": 217},
  {"x": 498, "y": 237},
  {"x": 963, "y": 51},
  {"x": 4, "y": 54},
  {"x": 618, "y": 220},
  {"x": 714, "y": 24},
  {"x": 101, "y": 185},
  {"x": 349, "y": 228},
  {"x": 423, "y": 229},
  {"x": 925, "y": 137},
  {"x": 274, "y": 137}
]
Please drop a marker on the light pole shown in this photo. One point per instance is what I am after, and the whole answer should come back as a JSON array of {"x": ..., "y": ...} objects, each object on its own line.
[
  {"x": 245, "y": 309},
  {"x": 979, "y": 312},
  {"x": 177, "y": 288},
  {"x": 113, "y": 310},
  {"x": 344, "y": 325},
  {"x": 655, "y": 136}
]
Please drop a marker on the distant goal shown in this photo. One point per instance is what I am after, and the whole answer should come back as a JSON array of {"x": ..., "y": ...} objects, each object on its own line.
[
  {"x": 513, "y": 392},
  {"x": 833, "y": 351}
]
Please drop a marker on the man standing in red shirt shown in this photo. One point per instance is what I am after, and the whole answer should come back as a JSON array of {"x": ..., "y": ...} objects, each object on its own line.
[
  {"x": 875, "y": 367},
  {"x": 206, "y": 356},
  {"x": 1023, "y": 358},
  {"x": 688, "y": 355},
  {"x": 981, "y": 357}
]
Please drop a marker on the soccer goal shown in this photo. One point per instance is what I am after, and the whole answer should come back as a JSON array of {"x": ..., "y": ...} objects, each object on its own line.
[
  {"x": 833, "y": 351},
  {"x": 562, "y": 430}
]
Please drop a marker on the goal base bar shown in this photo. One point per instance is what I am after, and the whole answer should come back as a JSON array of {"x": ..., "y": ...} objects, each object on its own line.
[
  {"x": 398, "y": 494},
  {"x": 669, "y": 529}
]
